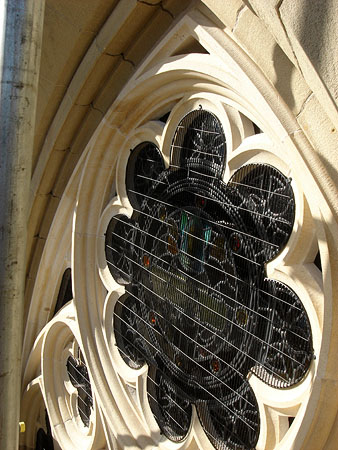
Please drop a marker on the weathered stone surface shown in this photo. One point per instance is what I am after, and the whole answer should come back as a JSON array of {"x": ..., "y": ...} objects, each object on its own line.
[
  {"x": 69, "y": 28},
  {"x": 315, "y": 25},
  {"x": 266, "y": 55},
  {"x": 286, "y": 78},
  {"x": 226, "y": 11},
  {"x": 306, "y": 32},
  {"x": 268, "y": 12},
  {"x": 321, "y": 133}
]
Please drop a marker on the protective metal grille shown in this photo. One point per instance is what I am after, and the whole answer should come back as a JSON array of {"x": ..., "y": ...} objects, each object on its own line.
[
  {"x": 198, "y": 308},
  {"x": 78, "y": 375}
]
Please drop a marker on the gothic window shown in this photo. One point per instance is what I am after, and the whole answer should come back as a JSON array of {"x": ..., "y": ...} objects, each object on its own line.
[
  {"x": 198, "y": 308},
  {"x": 179, "y": 300}
]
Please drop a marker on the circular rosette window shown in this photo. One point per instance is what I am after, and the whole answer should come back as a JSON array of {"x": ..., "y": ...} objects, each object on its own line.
[
  {"x": 67, "y": 387},
  {"x": 198, "y": 306}
]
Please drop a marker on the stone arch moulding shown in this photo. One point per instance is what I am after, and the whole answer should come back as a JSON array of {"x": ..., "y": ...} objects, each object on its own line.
[{"x": 259, "y": 128}]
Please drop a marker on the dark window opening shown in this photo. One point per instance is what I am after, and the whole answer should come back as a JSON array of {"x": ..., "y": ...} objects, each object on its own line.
[
  {"x": 65, "y": 292},
  {"x": 78, "y": 375},
  {"x": 44, "y": 439},
  {"x": 318, "y": 261},
  {"x": 256, "y": 128},
  {"x": 198, "y": 308}
]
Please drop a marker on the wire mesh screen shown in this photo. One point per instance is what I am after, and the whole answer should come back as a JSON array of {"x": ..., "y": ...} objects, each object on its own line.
[
  {"x": 78, "y": 375},
  {"x": 198, "y": 308}
]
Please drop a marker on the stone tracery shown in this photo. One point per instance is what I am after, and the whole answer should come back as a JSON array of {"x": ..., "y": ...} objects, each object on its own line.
[
  {"x": 97, "y": 202},
  {"x": 198, "y": 307}
]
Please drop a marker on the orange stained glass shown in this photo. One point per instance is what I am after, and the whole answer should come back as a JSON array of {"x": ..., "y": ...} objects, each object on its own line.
[
  {"x": 215, "y": 365},
  {"x": 152, "y": 318},
  {"x": 146, "y": 260}
]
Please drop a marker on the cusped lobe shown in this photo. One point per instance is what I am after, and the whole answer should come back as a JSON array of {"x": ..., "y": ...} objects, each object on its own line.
[{"x": 198, "y": 308}]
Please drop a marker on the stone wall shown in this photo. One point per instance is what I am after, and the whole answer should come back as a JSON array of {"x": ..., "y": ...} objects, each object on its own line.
[{"x": 109, "y": 71}]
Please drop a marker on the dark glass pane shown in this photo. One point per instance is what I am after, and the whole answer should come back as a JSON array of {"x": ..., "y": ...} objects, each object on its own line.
[
  {"x": 144, "y": 166},
  {"x": 199, "y": 309},
  {"x": 65, "y": 291},
  {"x": 78, "y": 375},
  {"x": 199, "y": 144}
]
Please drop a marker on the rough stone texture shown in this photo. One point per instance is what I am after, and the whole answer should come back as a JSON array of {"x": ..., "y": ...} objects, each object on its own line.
[
  {"x": 69, "y": 28},
  {"x": 225, "y": 11},
  {"x": 150, "y": 32},
  {"x": 306, "y": 31},
  {"x": 269, "y": 13},
  {"x": 251, "y": 32},
  {"x": 20, "y": 43},
  {"x": 321, "y": 133},
  {"x": 79, "y": 82},
  {"x": 315, "y": 25},
  {"x": 88, "y": 58}
]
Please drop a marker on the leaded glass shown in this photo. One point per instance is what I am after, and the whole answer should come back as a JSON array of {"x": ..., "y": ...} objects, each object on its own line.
[{"x": 199, "y": 309}]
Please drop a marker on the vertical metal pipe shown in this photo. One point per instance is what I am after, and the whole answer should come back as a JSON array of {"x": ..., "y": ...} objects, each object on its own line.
[{"x": 20, "y": 48}]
